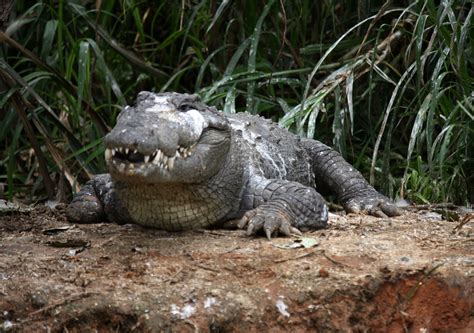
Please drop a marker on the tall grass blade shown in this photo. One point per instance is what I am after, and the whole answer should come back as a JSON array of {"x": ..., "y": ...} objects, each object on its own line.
[
  {"x": 350, "y": 103},
  {"x": 218, "y": 14},
  {"x": 48, "y": 37},
  {"x": 254, "y": 40},
  {"x": 11, "y": 160},
  {"x": 84, "y": 61}
]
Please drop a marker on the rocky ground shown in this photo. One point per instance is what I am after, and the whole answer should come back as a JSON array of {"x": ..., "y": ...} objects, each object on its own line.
[{"x": 414, "y": 273}]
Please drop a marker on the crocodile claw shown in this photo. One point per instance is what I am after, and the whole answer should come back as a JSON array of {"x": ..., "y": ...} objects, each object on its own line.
[{"x": 268, "y": 219}]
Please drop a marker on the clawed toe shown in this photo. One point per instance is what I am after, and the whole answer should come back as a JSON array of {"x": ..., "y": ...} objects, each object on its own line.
[
  {"x": 377, "y": 212},
  {"x": 390, "y": 209},
  {"x": 271, "y": 223}
]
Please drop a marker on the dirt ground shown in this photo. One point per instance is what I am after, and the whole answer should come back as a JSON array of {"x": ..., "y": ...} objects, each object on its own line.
[{"x": 362, "y": 274}]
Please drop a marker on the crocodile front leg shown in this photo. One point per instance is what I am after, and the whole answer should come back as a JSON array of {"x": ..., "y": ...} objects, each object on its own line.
[
  {"x": 279, "y": 206},
  {"x": 97, "y": 201},
  {"x": 335, "y": 175}
]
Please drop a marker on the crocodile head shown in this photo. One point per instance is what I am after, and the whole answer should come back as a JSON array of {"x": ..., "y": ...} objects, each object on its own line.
[{"x": 167, "y": 138}]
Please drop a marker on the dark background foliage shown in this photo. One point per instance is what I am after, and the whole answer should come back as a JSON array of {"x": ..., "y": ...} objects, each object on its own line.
[{"x": 388, "y": 84}]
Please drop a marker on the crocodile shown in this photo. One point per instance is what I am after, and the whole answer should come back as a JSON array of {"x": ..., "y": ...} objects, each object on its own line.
[{"x": 176, "y": 163}]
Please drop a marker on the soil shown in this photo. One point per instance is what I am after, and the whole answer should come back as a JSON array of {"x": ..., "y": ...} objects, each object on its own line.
[{"x": 362, "y": 274}]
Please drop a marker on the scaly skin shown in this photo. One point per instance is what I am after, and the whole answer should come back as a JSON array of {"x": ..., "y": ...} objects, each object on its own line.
[{"x": 176, "y": 164}]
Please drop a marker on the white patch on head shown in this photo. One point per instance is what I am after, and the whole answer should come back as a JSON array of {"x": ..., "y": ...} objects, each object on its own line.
[
  {"x": 160, "y": 103},
  {"x": 195, "y": 121},
  {"x": 192, "y": 120},
  {"x": 159, "y": 107},
  {"x": 161, "y": 99}
]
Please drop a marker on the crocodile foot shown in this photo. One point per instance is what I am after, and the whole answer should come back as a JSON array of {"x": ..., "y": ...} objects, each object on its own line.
[
  {"x": 373, "y": 204},
  {"x": 269, "y": 218},
  {"x": 85, "y": 208}
]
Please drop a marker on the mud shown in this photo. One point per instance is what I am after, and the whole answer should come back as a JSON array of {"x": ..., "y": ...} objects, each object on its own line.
[{"x": 362, "y": 274}]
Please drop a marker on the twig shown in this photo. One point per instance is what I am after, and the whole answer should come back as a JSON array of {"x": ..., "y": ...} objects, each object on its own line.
[
  {"x": 66, "y": 300},
  {"x": 208, "y": 268},
  {"x": 333, "y": 260},
  {"x": 170, "y": 279},
  {"x": 110, "y": 239},
  {"x": 232, "y": 249},
  {"x": 445, "y": 205},
  {"x": 181, "y": 18},
  {"x": 210, "y": 232},
  {"x": 465, "y": 220},
  {"x": 403, "y": 314},
  {"x": 307, "y": 254},
  {"x": 409, "y": 295},
  {"x": 377, "y": 17}
]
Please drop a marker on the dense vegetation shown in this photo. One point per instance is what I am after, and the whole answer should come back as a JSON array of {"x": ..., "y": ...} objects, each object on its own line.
[{"x": 388, "y": 84}]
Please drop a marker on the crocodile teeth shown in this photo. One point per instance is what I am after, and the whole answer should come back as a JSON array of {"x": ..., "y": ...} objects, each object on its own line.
[
  {"x": 157, "y": 158},
  {"x": 159, "y": 155},
  {"x": 108, "y": 154},
  {"x": 171, "y": 163}
]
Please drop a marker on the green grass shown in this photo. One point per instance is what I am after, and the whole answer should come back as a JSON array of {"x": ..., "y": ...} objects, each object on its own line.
[{"x": 389, "y": 85}]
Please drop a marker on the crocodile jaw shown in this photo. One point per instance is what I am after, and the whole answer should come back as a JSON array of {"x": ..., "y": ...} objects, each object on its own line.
[{"x": 159, "y": 141}]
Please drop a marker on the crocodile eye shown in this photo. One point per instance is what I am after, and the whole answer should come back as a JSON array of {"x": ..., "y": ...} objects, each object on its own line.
[{"x": 185, "y": 107}]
